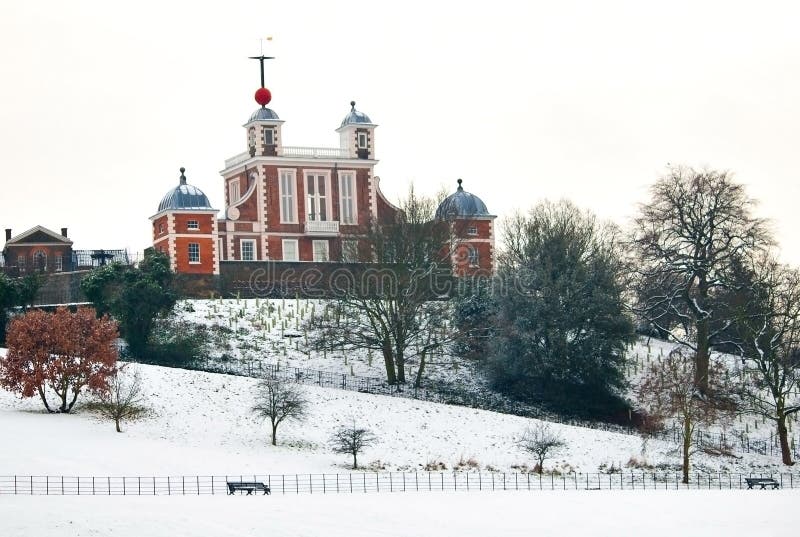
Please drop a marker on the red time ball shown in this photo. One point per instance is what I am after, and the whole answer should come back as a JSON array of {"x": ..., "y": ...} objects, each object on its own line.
[{"x": 263, "y": 96}]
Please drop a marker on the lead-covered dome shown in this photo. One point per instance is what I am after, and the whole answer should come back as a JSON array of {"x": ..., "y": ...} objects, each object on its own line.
[
  {"x": 355, "y": 117},
  {"x": 184, "y": 196},
  {"x": 263, "y": 114},
  {"x": 461, "y": 204}
]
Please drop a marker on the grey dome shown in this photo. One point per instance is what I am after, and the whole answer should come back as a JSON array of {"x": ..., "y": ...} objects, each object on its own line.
[
  {"x": 461, "y": 204},
  {"x": 184, "y": 196},
  {"x": 262, "y": 114},
  {"x": 355, "y": 117}
]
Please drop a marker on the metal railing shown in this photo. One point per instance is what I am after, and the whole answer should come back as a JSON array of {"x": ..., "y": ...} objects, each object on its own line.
[
  {"x": 322, "y": 226},
  {"x": 362, "y": 482},
  {"x": 314, "y": 152}
]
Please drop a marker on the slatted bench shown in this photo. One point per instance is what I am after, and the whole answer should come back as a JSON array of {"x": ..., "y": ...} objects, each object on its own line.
[
  {"x": 762, "y": 482},
  {"x": 249, "y": 486}
]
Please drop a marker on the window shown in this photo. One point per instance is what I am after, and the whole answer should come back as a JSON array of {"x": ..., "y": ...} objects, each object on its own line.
[
  {"x": 21, "y": 263},
  {"x": 347, "y": 198},
  {"x": 472, "y": 230},
  {"x": 289, "y": 247},
  {"x": 349, "y": 251},
  {"x": 472, "y": 255},
  {"x": 193, "y": 225},
  {"x": 317, "y": 197},
  {"x": 362, "y": 140},
  {"x": 39, "y": 261},
  {"x": 160, "y": 228},
  {"x": 320, "y": 250},
  {"x": 269, "y": 137},
  {"x": 59, "y": 263},
  {"x": 194, "y": 252},
  {"x": 233, "y": 191},
  {"x": 248, "y": 249},
  {"x": 288, "y": 200}
]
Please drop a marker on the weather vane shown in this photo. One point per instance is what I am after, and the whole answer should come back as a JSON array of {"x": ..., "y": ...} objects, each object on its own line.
[{"x": 263, "y": 95}]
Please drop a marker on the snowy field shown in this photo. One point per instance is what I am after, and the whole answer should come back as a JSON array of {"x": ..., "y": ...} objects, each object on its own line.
[
  {"x": 200, "y": 424},
  {"x": 564, "y": 514}
]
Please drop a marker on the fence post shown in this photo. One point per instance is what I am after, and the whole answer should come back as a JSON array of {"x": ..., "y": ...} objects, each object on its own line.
[{"x": 124, "y": 488}]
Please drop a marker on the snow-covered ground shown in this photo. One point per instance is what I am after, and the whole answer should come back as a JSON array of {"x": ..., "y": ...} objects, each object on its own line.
[
  {"x": 201, "y": 424},
  {"x": 565, "y": 514}
]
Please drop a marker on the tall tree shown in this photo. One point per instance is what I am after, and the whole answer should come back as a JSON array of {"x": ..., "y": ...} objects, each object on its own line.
[
  {"x": 688, "y": 238},
  {"x": 134, "y": 296},
  {"x": 768, "y": 325},
  {"x": 61, "y": 351},
  {"x": 386, "y": 306},
  {"x": 667, "y": 391},
  {"x": 559, "y": 326}
]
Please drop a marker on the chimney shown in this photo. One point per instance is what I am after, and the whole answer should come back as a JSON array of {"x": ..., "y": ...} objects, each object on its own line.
[
  {"x": 8, "y": 234},
  {"x": 64, "y": 232}
]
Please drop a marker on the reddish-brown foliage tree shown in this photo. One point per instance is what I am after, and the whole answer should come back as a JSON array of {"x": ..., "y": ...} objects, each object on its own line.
[{"x": 63, "y": 351}]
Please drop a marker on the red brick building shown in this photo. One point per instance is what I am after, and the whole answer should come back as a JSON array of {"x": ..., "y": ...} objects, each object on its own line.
[
  {"x": 297, "y": 203},
  {"x": 38, "y": 250}
]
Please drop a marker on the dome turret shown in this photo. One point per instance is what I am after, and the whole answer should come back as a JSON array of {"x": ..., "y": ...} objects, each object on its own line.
[
  {"x": 461, "y": 204},
  {"x": 184, "y": 196},
  {"x": 355, "y": 117}
]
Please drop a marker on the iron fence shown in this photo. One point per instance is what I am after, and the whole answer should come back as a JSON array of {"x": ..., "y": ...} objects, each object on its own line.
[{"x": 372, "y": 482}]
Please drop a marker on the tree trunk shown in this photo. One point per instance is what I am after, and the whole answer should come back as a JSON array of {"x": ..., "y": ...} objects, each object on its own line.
[
  {"x": 116, "y": 422},
  {"x": 783, "y": 435},
  {"x": 702, "y": 356},
  {"x": 418, "y": 380},
  {"x": 388, "y": 358},
  {"x": 44, "y": 399},
  {"x": 687, "y": 444},
  {"x": 355, "y": 461},
  {"x": 274, "y": 433},
  {"x": 400, "y": 362}
]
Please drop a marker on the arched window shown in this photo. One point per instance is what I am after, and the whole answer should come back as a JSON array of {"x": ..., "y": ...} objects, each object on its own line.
[
  {"x": 39, "y": 261},
  {"x": 472, "y": 256}
]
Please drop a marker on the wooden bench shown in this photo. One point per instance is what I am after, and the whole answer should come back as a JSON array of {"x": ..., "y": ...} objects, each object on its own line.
[
  {"x": 763, "y": 482},
  {"x": 249, "y": 486}
]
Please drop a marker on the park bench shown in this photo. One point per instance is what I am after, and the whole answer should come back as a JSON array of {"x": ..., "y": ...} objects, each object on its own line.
[
  {"x": 762, "y": 482},
  {"x": 249, "y": 486}
]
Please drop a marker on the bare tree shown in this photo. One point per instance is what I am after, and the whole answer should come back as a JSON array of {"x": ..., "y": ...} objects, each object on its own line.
[
  {"x": 386, "y": 306},
  {"x": 541, "y": 442},
  {"x": 124, "y": 399},
  {"x": 688, "y": 237},
  {"x": 667, "y": 391},
  {"x": 769, "y": 328},
  {"x": 351, "y": 439},
  {"x": 280, "y": 400}
]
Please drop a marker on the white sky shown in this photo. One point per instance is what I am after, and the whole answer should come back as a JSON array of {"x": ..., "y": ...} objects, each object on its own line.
[{"x": 102, "y": 102}]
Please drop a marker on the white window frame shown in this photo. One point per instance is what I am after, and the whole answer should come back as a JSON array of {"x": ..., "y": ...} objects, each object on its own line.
[
  {"x": 362, "y": 140},
  {"x": 193, "y": 225},
  {"x": 314, "y": 250},
  {"x": 21, "y": 263},
  {"x": 194, "y": 260},
  {"x": 39, "y": 254},
  {"x": 326, "y": 175},
  {"x": 252, "y": 242},
  {"x": 472, "y": 230},
  {"x": 296, "y": 245},
  {"x": 161, "y": 228},
  {"x": 352, "y": 199},
  {"x": 59, "y": 262},
  {"x": 473, "y": 257},
  {"x": 287, "y": 193},
  {"x": 234, "y": 191},
  {"x": 268, "y": 136}
]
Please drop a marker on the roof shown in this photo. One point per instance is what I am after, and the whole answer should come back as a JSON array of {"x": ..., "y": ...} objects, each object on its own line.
[
  {"x": 355, "y": 117},
  {"x": 461, "y": 204},
  {"x": 184, "y": 196},
  {"x": 263, "y": 114},
  {"x": 39, "y": 235}
]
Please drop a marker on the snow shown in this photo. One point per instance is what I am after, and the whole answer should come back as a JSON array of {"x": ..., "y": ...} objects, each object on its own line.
[{"x": 567, "y": 514}]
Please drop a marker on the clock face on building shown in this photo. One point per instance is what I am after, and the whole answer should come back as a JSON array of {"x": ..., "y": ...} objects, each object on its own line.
[{"x": 233, "y": 213}]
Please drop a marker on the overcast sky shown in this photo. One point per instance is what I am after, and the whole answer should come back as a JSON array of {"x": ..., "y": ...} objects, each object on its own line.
[{"x": 102, "y": 102}]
